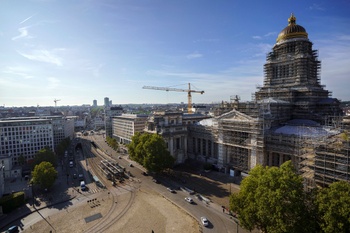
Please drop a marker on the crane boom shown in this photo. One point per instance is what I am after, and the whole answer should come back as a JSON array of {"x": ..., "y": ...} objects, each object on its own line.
[
  {"x": 189, "y": 91},
  {"x": 56, "y": 100}
]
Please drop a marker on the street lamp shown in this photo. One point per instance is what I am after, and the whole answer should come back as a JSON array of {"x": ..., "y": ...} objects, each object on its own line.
[
  {"x": 237, "y": 223},
  {"x": 31, "y": 187}
]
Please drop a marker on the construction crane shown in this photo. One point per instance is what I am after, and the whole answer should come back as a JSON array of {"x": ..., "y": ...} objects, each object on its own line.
[
  {"x": 189, "y": 91},
  {"x": 56, "y": 100}
]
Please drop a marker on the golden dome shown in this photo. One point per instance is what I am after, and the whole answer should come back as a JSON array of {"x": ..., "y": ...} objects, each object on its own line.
[{"x": 292, "y": 31}]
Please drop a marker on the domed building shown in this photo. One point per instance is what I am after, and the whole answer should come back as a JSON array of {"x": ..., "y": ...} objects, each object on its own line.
[
  {"x": 292, "y": 74},
  {"x": 290, "y": 117}
]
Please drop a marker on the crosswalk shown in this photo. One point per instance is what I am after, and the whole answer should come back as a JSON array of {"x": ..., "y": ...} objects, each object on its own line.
[{"x": 94, "y": 190}]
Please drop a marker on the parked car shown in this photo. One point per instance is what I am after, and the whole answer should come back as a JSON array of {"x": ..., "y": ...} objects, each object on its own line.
[
  {"x": 74, "y": 176},
  {"x": 156, "y": 181},
  {"x": 204, "y": 221},
  {"x": 12, "y": 229},
  {"x": 81, "y": 177},
  {"x": 145, "y": 173},
  {"x": 130, "y": 165},
  {"x": 171, "y": 190},
  {"x": 189, "y": 200}
]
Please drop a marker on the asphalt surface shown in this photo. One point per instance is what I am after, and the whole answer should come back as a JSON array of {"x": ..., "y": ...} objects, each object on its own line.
[{"x": 212, "y": 186}]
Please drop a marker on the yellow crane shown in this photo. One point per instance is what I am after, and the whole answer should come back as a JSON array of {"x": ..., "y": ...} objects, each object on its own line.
[{"x": 189, "y": 91}]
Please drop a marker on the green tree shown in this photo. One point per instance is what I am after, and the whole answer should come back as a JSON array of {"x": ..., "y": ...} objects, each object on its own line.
[
  {"x": 62, "y": 146},
  {"x": 273, "y": 200},
  {"x": 150, "y": 150},
  {"x": 135, "y": 148},
  {"x": 334, "y": 207},
  {"x": 157, "y": 156},
  {"x": 45, "y": 154},
  {"x": 112, "y": 142},
  {"x": 44, "y": 175},
  {"x": 22, "y": 160}
]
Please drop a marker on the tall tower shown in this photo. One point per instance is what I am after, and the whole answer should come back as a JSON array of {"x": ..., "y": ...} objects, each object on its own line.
[
  {"x": 292, "y": 74},
  {"x": 106, "y": 102},
  {"x": 94, "y": 103}
]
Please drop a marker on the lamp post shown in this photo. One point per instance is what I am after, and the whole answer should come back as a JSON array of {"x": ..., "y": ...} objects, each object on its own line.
[
  {"x": 31, "y": 187},
  {"x": 236, "y": 221}
]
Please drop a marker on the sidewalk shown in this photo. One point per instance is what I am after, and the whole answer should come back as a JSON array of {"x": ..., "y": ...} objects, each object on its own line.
[{"x": 59, "y": 193}]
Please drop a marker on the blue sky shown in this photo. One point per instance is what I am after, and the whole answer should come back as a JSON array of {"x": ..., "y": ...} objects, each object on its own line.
[{"x": 81, "y": 50}]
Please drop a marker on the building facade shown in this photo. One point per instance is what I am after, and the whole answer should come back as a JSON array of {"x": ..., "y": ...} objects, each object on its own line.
[
  {"x": 291, "y": 117},
  {"x": 24, "y": 137},
  {"x": 125, "y": 126},
  {"x": 173, "y": 126},
  {"x": 109, "y": 113}
]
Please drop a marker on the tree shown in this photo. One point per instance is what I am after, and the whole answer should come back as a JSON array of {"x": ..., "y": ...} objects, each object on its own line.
[
  {"x": 112, "y": 142},
  {"x": 62, "y": 146},
  {"x": 157, "y": 156},
  {"x": 45, "y": 154},
  {"x": 334, "y": 207},
  {"x": 150, "y": 150},
  {"x": 273, "y": 200},
  {"x": 135, "y": 148},
  {"x": 44, "y": 175},
  {"x": 22, "y": 160}
]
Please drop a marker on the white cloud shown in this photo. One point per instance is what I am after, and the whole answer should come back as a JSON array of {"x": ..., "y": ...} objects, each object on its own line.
[
  {"x": 23, "y": 33},
  {"x": 270, "y": 34},
  {"x": 18, "y": 71},
  {"x": 44, "y": 56},
  {"x": 316, "y": 7},
  {"x": 194, "y": 55},
  {"x": 266, "y": 35}
]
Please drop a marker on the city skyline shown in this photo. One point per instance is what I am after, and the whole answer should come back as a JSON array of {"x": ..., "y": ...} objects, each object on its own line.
[{"x": 85, "y": 50}]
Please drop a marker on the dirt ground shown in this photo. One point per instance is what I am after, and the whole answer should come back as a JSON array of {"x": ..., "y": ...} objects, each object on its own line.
[{"x": 148, "y": 212}]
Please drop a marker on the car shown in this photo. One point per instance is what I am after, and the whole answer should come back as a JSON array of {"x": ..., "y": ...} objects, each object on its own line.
[
  {"x": 12, "y": 229},
  {"x": 156, "y": 181},
  {"x": 145, "y": 173},
  {"x": 189, "y": 200},
  {"x": 81, "y": 177},
  {"x": 119, "y": 157},
  {"x": 74, "y": 176},
  {"x": 130, "y": 165},
  {"x": 171, "y": 190},
  {"x": 204, "y": 221},
  {"x": 82, "y": 186}
]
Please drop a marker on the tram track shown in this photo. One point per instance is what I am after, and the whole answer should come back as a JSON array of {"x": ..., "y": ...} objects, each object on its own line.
[{"x": 94, "y": 158}]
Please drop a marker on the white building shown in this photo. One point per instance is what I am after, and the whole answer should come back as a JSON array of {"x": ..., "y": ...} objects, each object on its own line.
[
  {"x": 24, "y": 137},
  {"x": 127, "y": 125}
]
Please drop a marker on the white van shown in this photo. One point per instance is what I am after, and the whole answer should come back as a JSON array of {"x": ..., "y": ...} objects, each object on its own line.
[{"x": 82, "y": 185}]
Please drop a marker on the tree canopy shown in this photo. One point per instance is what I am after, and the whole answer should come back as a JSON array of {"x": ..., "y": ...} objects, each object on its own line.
[
  {"x": 112, "y": 142},
  {"x": 151, "y": 151},
  {"x": 333, "y": 205},
  {"x": 62, "y": 146},
  {"x": 273, "y": 200},
  {"x": 44, "y": 175},
  {"x": 45, "y": 154}
]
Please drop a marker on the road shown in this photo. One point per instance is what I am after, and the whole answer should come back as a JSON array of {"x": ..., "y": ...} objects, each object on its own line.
[{"x": 218, "y": 221}]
